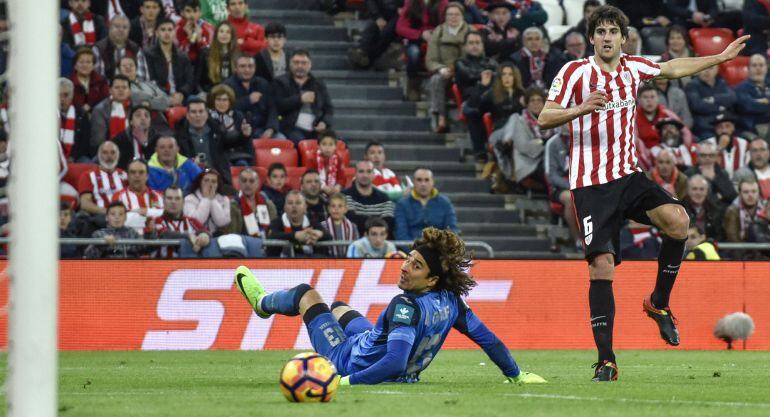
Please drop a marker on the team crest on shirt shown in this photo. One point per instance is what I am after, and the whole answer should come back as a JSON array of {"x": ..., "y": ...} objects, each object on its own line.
[
  {"x": 626, "y": 77},
  {"x": 556, "y": 85}
]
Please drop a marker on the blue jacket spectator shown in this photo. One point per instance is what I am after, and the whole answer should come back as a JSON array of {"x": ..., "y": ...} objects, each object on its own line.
[
  {"x": 168, "y": 167},
  {"x": 254, "y": 98},
  {"x": 754, "y": 95},
  {"x": 422, "y": 208},
  {"x": 756, "y": 21},
  {"x": 66, "y": 61},
  {"x": 708, "y": 96}
]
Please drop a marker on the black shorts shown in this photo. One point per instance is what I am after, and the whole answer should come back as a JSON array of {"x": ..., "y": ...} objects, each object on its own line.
[{"x": 602, "y": 210}]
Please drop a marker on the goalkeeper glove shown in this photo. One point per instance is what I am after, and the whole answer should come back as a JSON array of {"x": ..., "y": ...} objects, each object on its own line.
[{"x": 345, "y": 380}]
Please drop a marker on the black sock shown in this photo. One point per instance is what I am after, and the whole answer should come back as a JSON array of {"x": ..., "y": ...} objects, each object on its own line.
[
  {"x": 669, "y": 260},
  {"x": 602, "y": 303}
]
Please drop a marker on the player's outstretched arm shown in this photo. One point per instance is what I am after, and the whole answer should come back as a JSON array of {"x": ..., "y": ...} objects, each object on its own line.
[
  {"x": 682, "y": 67},
  {"x": 389, "y": 367},
  {"x": 554, "y": 114},
  {"x": 470, "y": 325}
]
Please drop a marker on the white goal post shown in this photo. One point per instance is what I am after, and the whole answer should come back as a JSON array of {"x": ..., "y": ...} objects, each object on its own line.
[{"x": 34, "y": 194}]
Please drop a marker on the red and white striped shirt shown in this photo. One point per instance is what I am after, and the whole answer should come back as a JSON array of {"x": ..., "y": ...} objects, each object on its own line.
[
  {"x": 736, "y": 158},
  {"x": 602, "y": 147},
  {"x": 102, "y": 185},
  {"x": 165, "y": 224},
  {"x": 149, "y": 199},
  {"x": 385, "y": 180}
]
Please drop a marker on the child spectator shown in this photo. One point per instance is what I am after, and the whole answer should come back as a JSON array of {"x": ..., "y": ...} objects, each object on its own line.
[
  {"x": 276, "y": 187},
  {"x": 374, "y": 244},
  {"x": 339, "y": 227},
  {"x": 116, "y": 229},
  {"x": 328, "y": 163},
  {"x": 193, "y": 33}
]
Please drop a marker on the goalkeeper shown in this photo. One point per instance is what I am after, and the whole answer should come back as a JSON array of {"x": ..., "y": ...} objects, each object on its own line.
[{"x": 409, "y": 332}]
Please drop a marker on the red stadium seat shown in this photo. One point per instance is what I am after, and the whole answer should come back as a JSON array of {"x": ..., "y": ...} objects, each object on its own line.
[
  {"x": 294, "y": 176},
  {"x": 75, "y": 170},
  {"x": 458, "y": 101},
  {"x": 710, "y": 41},
  {"x": 262, "y": 172},
  {"x": 174, "y": 115},
  {"x": 234, "y": 172},
  {"x": 272, "y": 143},
  {"x": 488, "y": 124},
  {"x": 350, "y": 175},
  {"x": 265, "y": 157},
  {"x": 735, "y": 71}
]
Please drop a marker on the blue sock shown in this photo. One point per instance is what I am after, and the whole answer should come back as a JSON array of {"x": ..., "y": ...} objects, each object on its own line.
[{"x": 284, "y": 302}]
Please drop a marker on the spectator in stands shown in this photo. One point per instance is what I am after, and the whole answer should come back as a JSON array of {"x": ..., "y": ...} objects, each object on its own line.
[
  {"x": 365, "y": 201},
  {"x": 649, "y": 112},
  {"x": 667, "y": 175},
  {"x": 519, "y": 149},
  {"x": 501, "y": 37},
  {"x": 415, "y": 24},
  {"x": 115, "y": 231},
  {"x": 66, "y": 58},
  {"x": 273, "y": 61},
  {"x": 557, "y": 175},
  {"x": 254, "y": 209},
  {"x": 81, "y": 27},
  {"x": 196, "y": 241},
  {"x": 108, "y": 51},
  {"x": 143, "y": 27},
  {"x": 444, "y": 48},
  {"x": 702, "y": 13},
  {"x": 671, "y": 140},
  {"x": 97, "y": 188},
  {"x": 424, "y": 207},
  {"x": 168, "y": 168},
  {"x": 295, "y": 227},
  {"x": 643, "y": 13},
  {"x": 588, "y": 7},
  {"x": 221, "y": 104},
  {"x": 537, "y": 67},
  {"x": 193, "y": 34},
  {"x": 699, "y": 246},
  {"x": 253, "y": 96},
  {"x": 474, "y": 74},
  {"x": 90, "y": 87},
  {"x": 633, "y": 44},
  {"x": 379, "y": 33},
  {"x": 708, "y": 95},
  {"x": 746, "y": 219},
  {"x": 505, "y": 98},
  {"x": 374, "y": 244},
  {"x": 677, "y": 45},
  {"x": 143, "y": 91},
  {"x": 143, "y": 204},
  {"x": 67, "y": 230},
  {"x": 310, "y": 187},
  {"x": 338, "y": 226},
  {"x": 734, "y": 150},
  {"x": 304, "y": 105},
  {"x": 574, "y": 47},
  {"x": 218, "y": 61},
  {"x": 251, "y": 36},
  {"x": 168, "y": 67},
  {"x": 384, "y": 179},
  {"x": 74, "y": 125},
  {"x": 111, "y": 116},
  {"x": 673, "y": 97},
  {"x": 207, "y": 204},
  {"x": 138, "y": 140},
  {"x": 327, "y": 161},
  {"x": 721, "y": 188},
  {"x": 204, "y": 139},
  {"x": 753, "y": 98},
  {"x": 756, "y": 22},
  {"x": 758, "y": 168},
  {"x": 276, "y": 187},
  {"x": 529, "y": 14}
]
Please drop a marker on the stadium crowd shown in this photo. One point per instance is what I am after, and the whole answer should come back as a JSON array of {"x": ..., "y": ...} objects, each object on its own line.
[{"x": 186, "y": 119}]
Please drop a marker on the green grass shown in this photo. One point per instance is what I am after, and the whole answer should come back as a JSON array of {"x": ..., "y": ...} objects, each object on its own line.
[{"x": 653, "y": 383}]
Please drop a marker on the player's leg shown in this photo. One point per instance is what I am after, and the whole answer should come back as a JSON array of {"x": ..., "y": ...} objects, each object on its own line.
[
  {"x": 601, "y": 301},
  {"x": 352, "y": 321},
  {"x": 565, "y": 198}
]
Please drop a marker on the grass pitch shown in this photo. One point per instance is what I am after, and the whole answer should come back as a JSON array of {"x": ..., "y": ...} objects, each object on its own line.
[{"x": 458, "y": 383}]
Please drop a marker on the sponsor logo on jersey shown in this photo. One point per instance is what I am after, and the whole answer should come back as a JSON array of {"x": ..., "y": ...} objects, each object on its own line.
[
  {"x": 615, "y": 105},
  {"x": 403, "y": 314},
  {"x": 556, "y": 85}
]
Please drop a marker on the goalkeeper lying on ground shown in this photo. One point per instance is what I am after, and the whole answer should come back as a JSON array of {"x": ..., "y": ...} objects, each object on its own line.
[{"x": 409, "y": 333}]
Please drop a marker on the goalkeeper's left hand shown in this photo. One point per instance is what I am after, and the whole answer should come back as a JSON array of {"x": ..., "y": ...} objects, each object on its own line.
[{"x": 526, "y": 378}]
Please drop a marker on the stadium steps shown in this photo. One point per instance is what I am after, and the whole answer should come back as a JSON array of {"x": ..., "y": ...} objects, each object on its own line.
[
  {"x": 370, "y": 108},
  {"x": 315, "y": 31},
  {"x": 351, "y": 77},
  {"x": 344, "y": 121},
  {"x": 407, "y": 152},
  {"x": 263, "y": 15},
  {"x": 439, "y": 168}
]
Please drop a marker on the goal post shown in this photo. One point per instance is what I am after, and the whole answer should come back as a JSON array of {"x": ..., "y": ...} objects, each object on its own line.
[{"x": 33, "y": 197}]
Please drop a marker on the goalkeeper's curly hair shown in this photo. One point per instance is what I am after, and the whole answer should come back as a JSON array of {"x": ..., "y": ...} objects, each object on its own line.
[{"x": 455, "y": 260}]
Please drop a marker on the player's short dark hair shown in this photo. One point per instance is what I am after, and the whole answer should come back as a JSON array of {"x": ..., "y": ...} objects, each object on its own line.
[
  {"x": 116, "y": 204},
  {"x": 371, "y": 144},
  {"x": 534, "y": 91},
  {"x": 607, "y": 14},
  {"x": 375, "y": 221},
  {"x": 275, "y": 28},
  {"x": 455, "y": 260},
  {"x": 276, "y": 166},
  {"x": 300, "y": 52}
]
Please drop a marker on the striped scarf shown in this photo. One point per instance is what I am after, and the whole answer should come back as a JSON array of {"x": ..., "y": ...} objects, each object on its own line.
[
  {"x": 669, "y": 186},
  {"x": 67, "y": 131},
  {"x": 306, "y": 249},
  {"x": 83, "y": 33},
  {"x": 327, "y": 168},
  {"x": 536, "y": 64},
  {"x": 348, "y": 233},
  {"x": 255, "y": 215},
  {"x": 118, "y": 119}
]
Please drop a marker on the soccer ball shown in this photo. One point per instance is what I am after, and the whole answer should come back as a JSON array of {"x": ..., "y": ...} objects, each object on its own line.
[{"x": 309, "y": 377}]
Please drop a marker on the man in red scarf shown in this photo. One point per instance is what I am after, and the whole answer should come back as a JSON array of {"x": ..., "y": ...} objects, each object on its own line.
[
  {"x": 173, "y": 224},
  {"x": 649, "y": 112},
  {"x": 257, "y": 211},
  {"x": 667, "y": 175},
  {"x": 81, "y": 27},
  {"x": 110, "y": 117},
  {"x": 733, "y": 150},
  {"x": 74, "y": 124},
  {"x": 295, "y": 227},
  {"x": 746, "y": 220}
]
